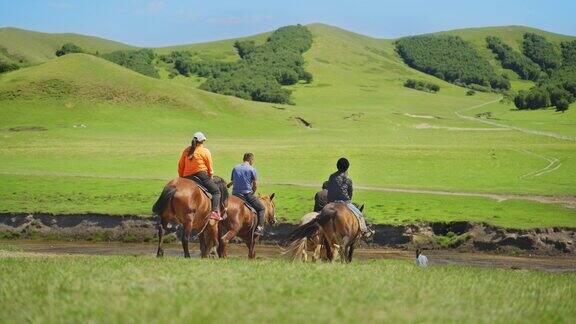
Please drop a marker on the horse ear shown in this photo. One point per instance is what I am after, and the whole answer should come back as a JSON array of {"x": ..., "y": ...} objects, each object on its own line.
[
  {"x": 362, "y": 207},
  {"x": 272, "y": 196}
]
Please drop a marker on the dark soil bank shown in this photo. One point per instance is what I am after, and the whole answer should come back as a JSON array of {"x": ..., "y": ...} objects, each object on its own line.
[{"x": 463, "y": 236}]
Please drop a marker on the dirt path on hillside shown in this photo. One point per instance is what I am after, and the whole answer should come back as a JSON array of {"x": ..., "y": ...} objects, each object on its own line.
[
  {"x": 460, "y": 114},
  {"x": 553, "y": 164},
  {"x": 436, "y": 258},
  {"x": 568, "y": 201}
]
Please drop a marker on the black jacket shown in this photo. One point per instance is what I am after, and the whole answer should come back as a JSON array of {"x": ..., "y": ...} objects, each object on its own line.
[{"x": 339, "y": 187}]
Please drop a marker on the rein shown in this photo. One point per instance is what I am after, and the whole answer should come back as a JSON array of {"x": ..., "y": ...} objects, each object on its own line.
[{"x": 202, "y": 230}]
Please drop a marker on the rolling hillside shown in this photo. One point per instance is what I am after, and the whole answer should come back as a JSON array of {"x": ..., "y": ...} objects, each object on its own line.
[
  {"x": 36, "y": 47},
  {"x": 105, "y": 139}
]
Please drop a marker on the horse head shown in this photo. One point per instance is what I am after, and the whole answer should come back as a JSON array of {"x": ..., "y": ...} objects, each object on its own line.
[{"x": 268, "y": 202}]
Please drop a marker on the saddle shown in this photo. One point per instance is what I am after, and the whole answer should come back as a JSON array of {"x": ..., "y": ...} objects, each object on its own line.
[
  {"x": 200, "y": 185},
  {"x": 247, "y": 204},
  {"x": 208, "y": 194}
]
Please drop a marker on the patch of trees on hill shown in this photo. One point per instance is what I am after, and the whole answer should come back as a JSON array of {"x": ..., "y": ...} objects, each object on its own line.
[
  {"x": 559, "y": 88},
  {"x": 141, "y": 61},
  {"x": 7, "y": 66},
  {"x": 449, "y": 58},
  {"x": 541, "y": 51},
  {"x": 261, "y": 71},
  {"x": 511, "y": 59},
  {"x": 10, "y": 62},
  {"x": 422, "y": 85},
  {"x": 69, "y": 48}
]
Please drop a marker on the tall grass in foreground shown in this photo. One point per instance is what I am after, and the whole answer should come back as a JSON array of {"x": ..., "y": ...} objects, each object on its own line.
[{"x": 135, "y": 289}]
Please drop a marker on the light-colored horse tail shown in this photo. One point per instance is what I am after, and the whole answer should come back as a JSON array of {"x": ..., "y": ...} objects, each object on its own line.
[{"x": 296, "y": 250}]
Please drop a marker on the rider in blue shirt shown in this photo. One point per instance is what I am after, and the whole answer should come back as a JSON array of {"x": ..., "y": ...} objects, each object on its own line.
[{"x": 244, "y": 178}]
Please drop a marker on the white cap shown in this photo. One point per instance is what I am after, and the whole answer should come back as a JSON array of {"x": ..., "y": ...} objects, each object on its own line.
[{"x": 199, "y": 136}]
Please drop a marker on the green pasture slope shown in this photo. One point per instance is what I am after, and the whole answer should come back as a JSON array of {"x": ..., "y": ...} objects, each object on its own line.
[
  {"x": 56, "y": 289},
  {"x": 130, "y": 130}
]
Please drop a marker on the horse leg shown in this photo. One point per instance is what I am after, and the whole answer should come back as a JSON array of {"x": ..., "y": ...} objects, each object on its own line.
[
  {"x": 202, "y": 243},
  {"x": 213, "y": 239},
  {"x": 350, "y": 252},
  {"x": 345, "y": 246},
  {"x": 251, "y": 252},
  {"x": 329, "y": 253},
  {"x": 221, "y": 249},
  {"x": 186, "y": 238},
  {"x": 160, "y": 252}
]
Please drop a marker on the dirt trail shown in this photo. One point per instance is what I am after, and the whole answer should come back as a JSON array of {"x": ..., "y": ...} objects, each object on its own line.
[
  {"x": 554, "y": 264},
  {"x": 460, "y": 114},
  {"x": 569, "y": 201}
]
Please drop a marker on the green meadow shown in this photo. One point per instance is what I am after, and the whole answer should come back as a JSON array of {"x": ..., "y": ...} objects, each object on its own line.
[
  {"x": 80, "y": 134},
  {"x": 58, "y": 288}
]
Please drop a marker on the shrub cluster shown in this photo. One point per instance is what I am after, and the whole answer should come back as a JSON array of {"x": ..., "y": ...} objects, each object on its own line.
[
  {"x": 422, "y": 85},
  {"x": 69, "y": 48},
  {"x": 514, "y": 60},
  {"x": 541, "y": 51},
  {"x": 7, "y": 66},
  {"x": 559, "y": 89},
  {"x": 261, "y": 70},
  {"x": 141, "y": 61},
  {"x": 449, "y": 58}
]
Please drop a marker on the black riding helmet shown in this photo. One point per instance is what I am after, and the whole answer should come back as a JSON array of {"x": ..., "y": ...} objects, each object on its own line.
[{"x": 343, "y": 164}]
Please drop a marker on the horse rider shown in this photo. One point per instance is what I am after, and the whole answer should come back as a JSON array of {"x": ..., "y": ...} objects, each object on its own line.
[
  {"x": 244, "y": 180},
  {"x": 340, "y": 190},
  {"x": 321, "y": 198},
  {"x": 196, "y": 162}
]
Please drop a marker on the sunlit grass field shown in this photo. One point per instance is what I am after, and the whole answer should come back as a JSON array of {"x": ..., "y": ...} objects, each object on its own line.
[
  {"x": 56, "y": 289},
  {"x": 126, "y": 142}
]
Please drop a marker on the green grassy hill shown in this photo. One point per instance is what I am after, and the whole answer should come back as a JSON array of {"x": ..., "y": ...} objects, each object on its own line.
[
  {"x": 36, "y": 47},
  {"x": 511, "y": 35},
  {"x": 81, "y": 134}
]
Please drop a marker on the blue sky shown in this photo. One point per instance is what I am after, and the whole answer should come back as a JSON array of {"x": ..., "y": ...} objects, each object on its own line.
[{"x": 167, "y": 22}]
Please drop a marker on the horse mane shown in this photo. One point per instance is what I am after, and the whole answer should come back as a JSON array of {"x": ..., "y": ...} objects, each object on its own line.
[{"x": 223, "y": 189}]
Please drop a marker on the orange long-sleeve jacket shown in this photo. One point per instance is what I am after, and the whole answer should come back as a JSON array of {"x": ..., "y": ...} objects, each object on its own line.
[{"x": 201, "y": 161}]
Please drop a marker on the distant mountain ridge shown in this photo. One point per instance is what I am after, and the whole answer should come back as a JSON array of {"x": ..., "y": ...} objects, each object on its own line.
[{"x": 36, "y": 47}]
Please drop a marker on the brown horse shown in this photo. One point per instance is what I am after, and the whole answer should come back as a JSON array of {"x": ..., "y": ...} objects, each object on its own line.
[
  {"x": 298, "y": 250},
  {"x": 337, "y": 225},
  {"x": 241, "y": 222},
  {"x": 183, "y": 201}
]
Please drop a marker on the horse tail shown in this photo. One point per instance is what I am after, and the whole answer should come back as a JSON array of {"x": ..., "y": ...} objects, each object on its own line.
[
  {"x": 308, "y": 229},
  {"x": 304, "y": 231},
  {"x": 296, "y": 250},
  {"x": 165, "y": 197}
]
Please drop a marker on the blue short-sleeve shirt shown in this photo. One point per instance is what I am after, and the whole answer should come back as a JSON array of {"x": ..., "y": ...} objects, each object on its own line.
[{"x": 242, "y": 177}]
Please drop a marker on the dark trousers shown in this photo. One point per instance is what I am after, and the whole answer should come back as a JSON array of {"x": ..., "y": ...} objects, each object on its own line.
[
  {"x": 211, "y": 186},
  {"x": 255, "y": 202}
]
